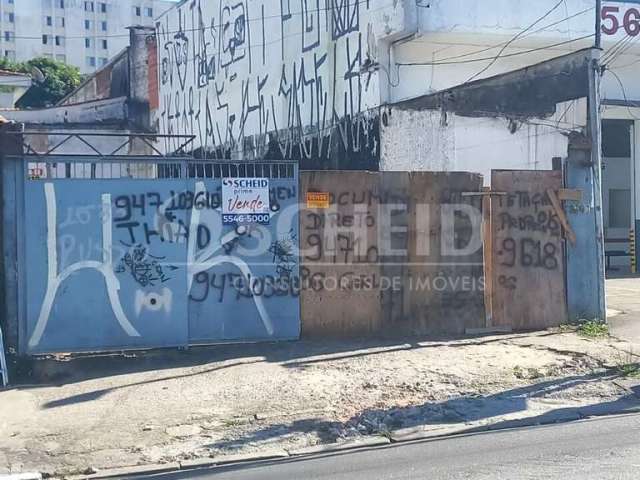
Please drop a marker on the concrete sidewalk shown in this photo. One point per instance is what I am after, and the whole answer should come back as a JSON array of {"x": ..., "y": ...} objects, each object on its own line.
[
  {"x": 623, "y": 305},
  {"x": 213, "y": 404}
]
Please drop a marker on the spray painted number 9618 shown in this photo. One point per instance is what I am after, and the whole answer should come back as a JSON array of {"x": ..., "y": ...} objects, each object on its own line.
[{"x": 529, "y": 253}]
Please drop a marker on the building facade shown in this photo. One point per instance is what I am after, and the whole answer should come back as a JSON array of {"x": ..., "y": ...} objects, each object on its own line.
[
  {"x": 84, "y": 33},
  {"x": 12, "y": 86},
  {"x": 311, "y": 80}
]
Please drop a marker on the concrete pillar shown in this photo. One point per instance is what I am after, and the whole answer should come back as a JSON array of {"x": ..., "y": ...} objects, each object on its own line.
[
  {"x": 11, "y": 173},
  {"x": 141, "y": 47},
  {"x": 583, "y": 275}
]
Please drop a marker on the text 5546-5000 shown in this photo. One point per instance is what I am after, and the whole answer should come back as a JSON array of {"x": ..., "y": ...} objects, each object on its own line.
[{"x": 246, "y": 218}]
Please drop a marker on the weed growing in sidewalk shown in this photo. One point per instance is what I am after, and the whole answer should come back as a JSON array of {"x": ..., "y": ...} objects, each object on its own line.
[
  {"x": 593, "y": 329},
  {"x": 628, "y": 366},
  {"x": 631, "y": 370}
]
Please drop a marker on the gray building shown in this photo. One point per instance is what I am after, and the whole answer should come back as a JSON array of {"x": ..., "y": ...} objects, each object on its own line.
[{"x": 85, "y": 33}]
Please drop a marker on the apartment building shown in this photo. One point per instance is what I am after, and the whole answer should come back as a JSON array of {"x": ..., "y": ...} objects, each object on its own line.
[{"x": 85, "y": 33}]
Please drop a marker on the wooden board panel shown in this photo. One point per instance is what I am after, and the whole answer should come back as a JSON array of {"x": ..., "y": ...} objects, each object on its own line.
[
  {"x": 395, "y": 275},
  {"x": 527, "y": 251},
  {"x": 445, "y": 271},
  {"x": 339, "y": 266}
]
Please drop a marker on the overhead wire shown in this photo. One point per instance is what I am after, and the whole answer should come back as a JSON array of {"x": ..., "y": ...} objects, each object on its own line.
[
  {"x": 618, "y": 49},
  {"x": 524, "y": 52},
  {"x": 493, "y": 47},
  {"x": 624, "y": 93},
  {"x": 516, "y": 37}
]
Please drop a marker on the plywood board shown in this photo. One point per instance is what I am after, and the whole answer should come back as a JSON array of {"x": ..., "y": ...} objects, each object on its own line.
[
  {"x": 339, "y": 266},
  {"x": 445, "y": 269},
  {"x": 528, "y": 263}
]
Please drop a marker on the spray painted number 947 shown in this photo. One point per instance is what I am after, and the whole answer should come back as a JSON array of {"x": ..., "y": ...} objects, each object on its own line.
[{"x": 613, "y": 20}]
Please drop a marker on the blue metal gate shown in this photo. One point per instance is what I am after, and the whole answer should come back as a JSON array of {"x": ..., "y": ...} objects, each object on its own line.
[{"x": 122, "y": 253}]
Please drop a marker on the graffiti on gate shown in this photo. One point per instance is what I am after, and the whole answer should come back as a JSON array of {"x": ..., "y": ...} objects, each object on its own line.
[
  {"x": 277, "y": 79},
  {"x": 160, "y": 251}
]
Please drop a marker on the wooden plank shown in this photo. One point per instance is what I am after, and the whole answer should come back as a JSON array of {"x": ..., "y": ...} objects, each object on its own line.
[
  {"x": 570, "y": 195},
  {"x": 460, "y": 304},
  {"x": 488, "y": 259},
  {"x": 336, "y": 267},
  {"x": 557, "y": 207},
  {"x": 528, "y": 251}
]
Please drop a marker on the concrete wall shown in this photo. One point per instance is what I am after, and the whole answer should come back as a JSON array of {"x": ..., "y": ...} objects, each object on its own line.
[
  {"x": 272, "y": 79},
  {"x": 296, "y": 91},
  {"x": 12, "y": 87},
  {"x": 111, "y": 110},
  {"x": 457, "y": 39},
  {"x": 430, "y": 140},
  {"x": 109, "y": 82}
]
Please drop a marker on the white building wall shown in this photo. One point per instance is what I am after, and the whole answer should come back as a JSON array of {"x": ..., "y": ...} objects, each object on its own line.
[
  {"x": 67, "y": 34},
  {"x": 419, "y": 140},
  {"x": 233, "y": 69},
  {"x": 460, "y": 38}
]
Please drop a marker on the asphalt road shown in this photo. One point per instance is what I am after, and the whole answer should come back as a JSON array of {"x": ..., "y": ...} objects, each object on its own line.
[{"x": 607, "y": 448}]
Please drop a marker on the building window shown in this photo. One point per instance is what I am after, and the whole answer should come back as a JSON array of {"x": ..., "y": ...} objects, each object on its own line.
[
  {"x": 103, "y": 26},
  {"x": 91, "y": 61},
  {"x": 60, "y": 22},
  {"x": 87, "y": 43},
  {"x": 45, "y": 39},
  {"x": 88, "y": 6},
  {"x": 49, "y": 21},
  {"x": 9, "y": 17},
  {"x": 619, "y": 208},
  {"x": 9, "y": 36},
  {"x": 137, "y": 11},
  {"x": 87, "y": 24},
  {"x": 60, "y": 3},
  {"x": 148, "y": 12},
  {"x": 103, "y": 7},
  {"x": 10, "y": 54},
  {"x": 104, "y": 43},
  {"x": 103, "y": 61},
  {"x": 59, "y": 40}
]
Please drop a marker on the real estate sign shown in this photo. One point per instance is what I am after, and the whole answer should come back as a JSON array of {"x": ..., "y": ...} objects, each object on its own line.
[{"x": 245, "y": 200}]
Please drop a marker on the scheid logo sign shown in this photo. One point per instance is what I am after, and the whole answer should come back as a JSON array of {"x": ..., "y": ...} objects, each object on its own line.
[
  {"x": 245, "y": 200},
  {"x": 241, "y": 183}
]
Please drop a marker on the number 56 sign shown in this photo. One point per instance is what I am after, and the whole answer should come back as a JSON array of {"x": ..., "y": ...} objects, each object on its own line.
[{"x": 620, "y": 18}]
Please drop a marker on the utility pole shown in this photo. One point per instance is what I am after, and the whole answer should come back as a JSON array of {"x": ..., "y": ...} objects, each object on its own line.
[
  {"x": 595, "y": 133},
  {"x": 598, "y": 24}
]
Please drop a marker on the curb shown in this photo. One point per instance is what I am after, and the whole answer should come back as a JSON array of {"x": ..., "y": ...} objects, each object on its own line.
[
  {"x": 21, "y": 476},
  {"x": 231, "y": 459},
  {"x": 150, "y": 469},
  {"x": 422, "y": 433},
  {"x": 370, "y": 441},
  {"x": 396, "y": 437}
]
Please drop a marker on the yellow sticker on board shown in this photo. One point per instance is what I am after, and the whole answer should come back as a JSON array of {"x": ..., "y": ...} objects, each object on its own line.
[{"x": 317, "y": 200}]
